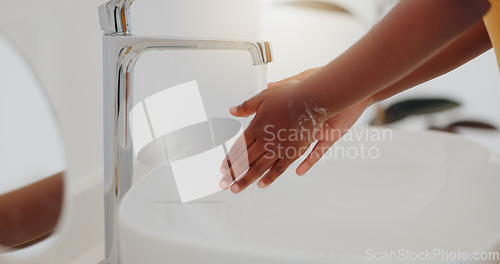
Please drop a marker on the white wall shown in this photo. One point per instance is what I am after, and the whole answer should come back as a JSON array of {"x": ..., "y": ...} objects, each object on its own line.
[
  {"x": 304, "y": 38},
  {"x": 62, "y": 40}
]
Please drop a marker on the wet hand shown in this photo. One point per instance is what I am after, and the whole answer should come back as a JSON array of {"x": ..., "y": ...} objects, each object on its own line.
[
  {"x": 325, "y": 133},
  {"x": 282, "y": 130},
  {"x": 333, "y": 129}
]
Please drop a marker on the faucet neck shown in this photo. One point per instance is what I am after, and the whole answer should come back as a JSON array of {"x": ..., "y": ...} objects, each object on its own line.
[{"x": 115, "y": 17}]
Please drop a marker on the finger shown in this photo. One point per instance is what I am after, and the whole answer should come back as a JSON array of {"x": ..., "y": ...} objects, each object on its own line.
[
  {"x": 249, "y": 107},
  {"x": 297, "y": 77},
  {"x": 241, "y": 144},
  {"x": 254, "y": 172},
  {"x": 318, "y": 151},
  {"x": 227, "y": 177},
  {"x": 237, "y": 166},
  {"x": 245, "y": 161},
  {"x": 278, "y": 168},
  {"x": 272, "y": 84},
  {"x": 293, "y": 78}
]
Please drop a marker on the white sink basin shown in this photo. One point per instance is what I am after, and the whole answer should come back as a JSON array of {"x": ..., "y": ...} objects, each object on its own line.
[{"x": 425, "y": 191}]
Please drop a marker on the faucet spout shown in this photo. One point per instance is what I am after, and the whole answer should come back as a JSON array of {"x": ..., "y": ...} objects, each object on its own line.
[{"x": 135, "y": 46}]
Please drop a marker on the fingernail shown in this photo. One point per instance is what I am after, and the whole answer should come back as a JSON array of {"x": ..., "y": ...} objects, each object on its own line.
[
  {"x": 235, "y": 188},
  {"x": 224, "y": 170},
  {"x": 233, "y": 109},
  {"x": 261, "y": 184},
  {"x": 223, "y": 184}
]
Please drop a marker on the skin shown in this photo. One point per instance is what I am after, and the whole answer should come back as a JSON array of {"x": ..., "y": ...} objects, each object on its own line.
[
  {"x": 417, "y": 41},
  {"x": 31, "y": 213}
]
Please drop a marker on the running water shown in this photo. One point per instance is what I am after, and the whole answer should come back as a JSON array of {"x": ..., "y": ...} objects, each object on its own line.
[
  {"x": 263, "y": 76},
  {"x": 231, "y": 214}
]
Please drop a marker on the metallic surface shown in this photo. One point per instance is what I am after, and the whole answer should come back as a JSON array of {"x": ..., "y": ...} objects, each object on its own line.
[{"x": 121, "y": 50}]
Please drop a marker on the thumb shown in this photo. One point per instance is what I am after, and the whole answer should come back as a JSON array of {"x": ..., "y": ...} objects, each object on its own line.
[
  {"x": 248, "y": 107},
  {"x": 298, "y": 77}
]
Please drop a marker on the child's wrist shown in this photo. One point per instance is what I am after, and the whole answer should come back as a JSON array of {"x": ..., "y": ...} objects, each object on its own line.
[
  {"x": 313, "y": 99},
  {"x": 325, "y": 103}
]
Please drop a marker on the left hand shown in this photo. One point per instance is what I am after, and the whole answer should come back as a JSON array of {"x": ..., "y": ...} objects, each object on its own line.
[{"x": 284, "y": 127}]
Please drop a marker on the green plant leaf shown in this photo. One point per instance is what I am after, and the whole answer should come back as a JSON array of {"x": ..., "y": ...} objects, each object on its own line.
[
  {"x": 401, "y": 110},
  {"x": 472, "y": 124},
  {"x": 443, "y": 129},
  {"x": 318, "y": 5}
]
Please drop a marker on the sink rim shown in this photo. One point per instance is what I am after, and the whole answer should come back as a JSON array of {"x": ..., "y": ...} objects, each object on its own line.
[{"x": 201, "y": 244}]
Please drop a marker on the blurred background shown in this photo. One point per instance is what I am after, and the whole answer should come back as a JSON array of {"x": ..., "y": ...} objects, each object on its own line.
[{"x": 61, "y": 39}]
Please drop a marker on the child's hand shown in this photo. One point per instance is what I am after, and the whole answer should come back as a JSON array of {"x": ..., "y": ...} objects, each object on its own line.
[
  {"x": 298, "y": 77},
  {"x": 327, "y": 134},
  {"x": 282, "y": 130},
  {"x": 332, "y": 130}
]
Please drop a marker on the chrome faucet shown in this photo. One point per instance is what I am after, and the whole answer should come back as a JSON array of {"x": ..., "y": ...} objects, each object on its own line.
[{"x": 121, "y": 50}]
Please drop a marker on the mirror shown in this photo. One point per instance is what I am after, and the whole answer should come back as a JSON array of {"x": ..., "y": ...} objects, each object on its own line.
[{"x": 32, "y": 155}]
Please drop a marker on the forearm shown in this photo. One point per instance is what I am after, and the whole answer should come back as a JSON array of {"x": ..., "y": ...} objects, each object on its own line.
[
  {"x": 469, "y": 45},
  {"x": 406, "y": 38}
]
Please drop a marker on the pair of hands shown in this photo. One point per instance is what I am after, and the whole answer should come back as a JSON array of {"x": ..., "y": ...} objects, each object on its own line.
[{"x": 286, "y": 124}]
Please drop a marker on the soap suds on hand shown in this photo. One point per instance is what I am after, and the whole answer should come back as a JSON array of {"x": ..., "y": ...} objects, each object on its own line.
[{"x": 311, "y": 115}]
